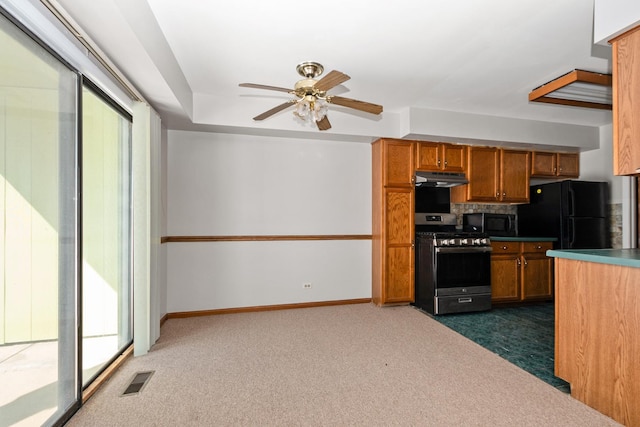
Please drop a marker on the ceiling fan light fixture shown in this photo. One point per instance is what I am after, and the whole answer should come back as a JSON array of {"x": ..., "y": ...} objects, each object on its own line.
[{"x": 310, "y": 108}]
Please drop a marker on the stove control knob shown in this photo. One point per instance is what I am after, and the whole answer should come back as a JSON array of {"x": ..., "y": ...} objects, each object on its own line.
[
  {"x": 452, "y": 242},
  {"x": 464, "y": 242},
  {"x": 485, "y": 241},
  {"x": 476, "y": 241},
  {"x": 443, "y": 242}
]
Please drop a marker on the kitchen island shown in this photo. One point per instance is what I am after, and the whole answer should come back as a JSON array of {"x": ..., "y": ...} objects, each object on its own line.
[{"x": 597, "y": 328}]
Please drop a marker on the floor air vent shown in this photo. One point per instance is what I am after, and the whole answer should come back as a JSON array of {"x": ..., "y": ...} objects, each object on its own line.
[{"x": 137, "y": 383}]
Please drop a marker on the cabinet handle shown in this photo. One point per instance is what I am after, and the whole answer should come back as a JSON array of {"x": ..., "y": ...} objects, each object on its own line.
[
  {"x": 504, "y": 248},
  {"x": 504, "y": 194},
  {"x": 413, "y": 179},
  {"x": 445, "y": 163},
  {"x": 525, "y": 261},
  {"x": 413, "y": 244},
  {"x": 497, "y": 194},
  {"x": 518, "y": 261},
  {"x": 538, "y": 247},
  {"x": 438, "y": 162}
]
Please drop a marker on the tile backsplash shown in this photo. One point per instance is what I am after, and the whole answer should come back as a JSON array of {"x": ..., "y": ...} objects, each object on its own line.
[
  {"x": 615, "y": 216},
  {"x": 463, "y": 208}
]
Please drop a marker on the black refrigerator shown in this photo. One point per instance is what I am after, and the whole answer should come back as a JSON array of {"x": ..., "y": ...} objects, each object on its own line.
[{"x": 575, "y": 212}]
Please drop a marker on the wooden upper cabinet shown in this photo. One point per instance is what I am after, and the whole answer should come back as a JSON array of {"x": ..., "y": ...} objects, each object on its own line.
[
  {"x": 399, "y": 161},
  {"x": 495, "y": 175},
  {"x": 514, "y": 177},
  {"x": 543, "y": 164},
  {"x": 434, "y": 156},
  {"x": 483, "y": 174},
  {"x": 550, "y": 165},
  {"x": 626, "y": 103}
]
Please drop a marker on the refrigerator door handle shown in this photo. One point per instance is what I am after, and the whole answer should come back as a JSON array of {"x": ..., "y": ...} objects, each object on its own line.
[{"x": 571, "y": 201}]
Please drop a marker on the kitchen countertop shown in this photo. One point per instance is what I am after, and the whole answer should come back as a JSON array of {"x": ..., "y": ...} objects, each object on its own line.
[
  {"x": 622, "y": 257},
  {"x": 522, "y": 239}
]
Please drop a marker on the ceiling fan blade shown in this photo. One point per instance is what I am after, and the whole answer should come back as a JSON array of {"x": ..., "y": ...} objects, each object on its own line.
[
  {"x": 257, "y": 86},
  {"x": 333, "y": 79},
  {"x": 274, "y": 110},
  {"x": 323, "y": 124},
  {"x": 354, "y": 103}
]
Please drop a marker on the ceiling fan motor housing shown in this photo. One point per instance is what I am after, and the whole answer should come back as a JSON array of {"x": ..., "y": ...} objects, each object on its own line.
[{"x": 309, "y": 69}]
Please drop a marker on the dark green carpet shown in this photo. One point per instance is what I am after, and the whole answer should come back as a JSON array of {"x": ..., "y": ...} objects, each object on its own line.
[{"x": 522, "y": 335}]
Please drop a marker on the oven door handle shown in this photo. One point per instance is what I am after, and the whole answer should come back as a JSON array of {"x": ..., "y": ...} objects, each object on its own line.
[{"x": 463, "y": 249}]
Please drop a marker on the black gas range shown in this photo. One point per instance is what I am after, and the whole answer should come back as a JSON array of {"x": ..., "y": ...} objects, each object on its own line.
[{"x": 453, "y": 268}]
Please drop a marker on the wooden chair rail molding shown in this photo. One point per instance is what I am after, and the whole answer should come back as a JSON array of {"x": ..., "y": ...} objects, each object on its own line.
[{"x": 265, "y": 238}]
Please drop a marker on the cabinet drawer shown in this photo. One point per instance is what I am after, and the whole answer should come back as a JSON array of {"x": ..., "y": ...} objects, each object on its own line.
[
  {"x": 505, "y": 248},
  {"x": 536, "y": 247}
]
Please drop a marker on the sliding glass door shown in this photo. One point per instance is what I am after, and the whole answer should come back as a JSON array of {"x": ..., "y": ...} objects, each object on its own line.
[
  {"x": 38, "y": 223},
  {"x": 106, "y": 231},
  {"x": 65, "y": 232}
]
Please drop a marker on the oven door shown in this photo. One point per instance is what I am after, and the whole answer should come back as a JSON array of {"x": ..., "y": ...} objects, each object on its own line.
[{"x": 462, "y": 270}]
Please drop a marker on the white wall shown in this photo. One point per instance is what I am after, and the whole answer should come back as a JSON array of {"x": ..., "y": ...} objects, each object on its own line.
[
  {"x": 222, "y": 184},
  {"x": 613, "y": 17},
  {"x": 597, "y": 165}
]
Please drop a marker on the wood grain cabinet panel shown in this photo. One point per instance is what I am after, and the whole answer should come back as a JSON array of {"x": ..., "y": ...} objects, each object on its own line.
[
  {"x": 495, "y": 175},
  {"x": 597, "y": 344},
  {"x": 626, "y": 103},
  {"x": 435, "y": 156},
  {"x": 398, "y": 165},
  {"x": 537, "y": 271},
  {"x": 521, "y": 271},
  {"x": 514, "y": 176},
  {"x": 552, "y": 165},
  {"x": 505, "y": 272},
  {"x": 393, "y": 252}
]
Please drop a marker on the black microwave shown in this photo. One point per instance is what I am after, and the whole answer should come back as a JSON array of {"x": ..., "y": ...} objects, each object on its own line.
[{"x": 492, "y": 224}]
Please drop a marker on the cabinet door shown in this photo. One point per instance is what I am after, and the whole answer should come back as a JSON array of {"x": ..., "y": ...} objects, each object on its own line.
[
  {"x": 399, "y": 164},
  {"x": 483, "y": 174},
  {"x": 455, "y": 158},
  {"x": 626, "y": 102},
  {"x": 543, "y": 164},
  {"x": 514, "y": 179},
  {"x": 569, "y": 165},
  {"x": 399, "y": 247},
  {"x": 429, "y": 156},
  {"x": 505, "y": 271},
  {"x": 537, "y": 276},
  {"x": 505, "y": 278}
]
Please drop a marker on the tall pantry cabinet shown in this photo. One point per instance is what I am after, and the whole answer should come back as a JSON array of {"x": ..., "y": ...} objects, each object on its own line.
[{"x": 393, "y": 221}]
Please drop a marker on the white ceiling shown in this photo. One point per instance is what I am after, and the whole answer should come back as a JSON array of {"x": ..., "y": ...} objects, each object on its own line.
[{"x": 187, "y": 58}]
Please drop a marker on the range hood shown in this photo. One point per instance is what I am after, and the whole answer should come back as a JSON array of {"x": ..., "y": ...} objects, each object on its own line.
[{"x": 440, "y": 179}]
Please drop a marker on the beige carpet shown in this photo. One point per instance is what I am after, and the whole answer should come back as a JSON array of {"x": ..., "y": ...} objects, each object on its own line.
[{"x": 334, "y": 366}]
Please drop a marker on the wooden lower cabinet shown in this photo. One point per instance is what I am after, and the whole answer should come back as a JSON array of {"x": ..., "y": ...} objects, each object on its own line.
[
  {"x": 521, "y": 271},
  {"x": 505, "y": 272},
  {"x": 537, "y": 271},
  {"x": 398, "y": 268}
]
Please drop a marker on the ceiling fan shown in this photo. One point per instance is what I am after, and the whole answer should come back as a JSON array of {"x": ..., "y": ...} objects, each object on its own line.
[{"x": 312, "y": 99}]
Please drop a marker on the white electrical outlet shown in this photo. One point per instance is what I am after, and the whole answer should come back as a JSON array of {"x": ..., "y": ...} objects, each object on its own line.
[{"x": 306, "y": 285}]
